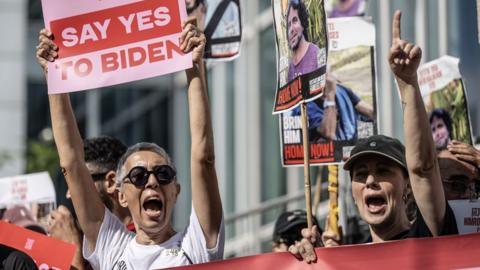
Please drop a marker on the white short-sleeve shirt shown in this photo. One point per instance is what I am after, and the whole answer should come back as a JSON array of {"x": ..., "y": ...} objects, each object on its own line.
[{"x": 117, "y": 249}]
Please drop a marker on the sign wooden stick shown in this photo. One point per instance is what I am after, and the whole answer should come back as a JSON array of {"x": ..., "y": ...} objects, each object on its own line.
[
  {"x": 318, "y": 190},
  {"x": 306, "y": 164}
]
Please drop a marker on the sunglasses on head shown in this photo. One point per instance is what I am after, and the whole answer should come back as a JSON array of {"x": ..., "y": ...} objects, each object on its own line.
[{"x": 139, "y": 175}]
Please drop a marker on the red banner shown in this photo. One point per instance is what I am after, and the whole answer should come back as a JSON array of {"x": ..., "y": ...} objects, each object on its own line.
[
  {"x": 48, "y": 253},
  {"x": 454, "y": 252}
]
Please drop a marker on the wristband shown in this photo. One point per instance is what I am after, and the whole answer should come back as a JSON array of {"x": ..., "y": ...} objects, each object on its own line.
[{"x": 328, "y": 103}]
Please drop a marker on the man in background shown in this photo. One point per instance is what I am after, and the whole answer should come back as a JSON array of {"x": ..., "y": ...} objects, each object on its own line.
[{"x": 288, "y": 228}]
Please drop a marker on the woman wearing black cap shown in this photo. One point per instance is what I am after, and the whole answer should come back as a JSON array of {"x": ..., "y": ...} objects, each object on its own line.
[{"x": 382, "y": 169}]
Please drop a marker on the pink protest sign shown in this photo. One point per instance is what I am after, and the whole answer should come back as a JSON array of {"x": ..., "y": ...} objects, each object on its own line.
[{"x": 104, "y": 43}]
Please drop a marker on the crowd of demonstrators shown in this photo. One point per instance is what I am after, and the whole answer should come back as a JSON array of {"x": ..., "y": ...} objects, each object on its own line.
[
  {"x": 124, "y": 196},
  {"x": 383, "y": 171},
  {"x": 146, "y": 182}
]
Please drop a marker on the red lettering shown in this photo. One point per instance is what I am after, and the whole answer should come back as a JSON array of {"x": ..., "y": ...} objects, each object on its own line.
[
  {"x": 136, "y": 61},
  {"x": 334, "y": 35},
  {"x": 321, "y": 150},
  {"x": 172, "y": 47},
  {"x": 109, "y": 62},
  {"x": 123, "y": 59},
  {"x": 293, "y": 152},
  {"x": 155, "y": 52},
  {"x": 284, "y": 95},
  {"x": 64, "y": 66},
  {"x": 85, "y": 62},
  {"x": 137, "y": 56}
]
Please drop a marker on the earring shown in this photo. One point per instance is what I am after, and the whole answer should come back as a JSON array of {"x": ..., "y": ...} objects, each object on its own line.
[{"x": 404, "y": 197}]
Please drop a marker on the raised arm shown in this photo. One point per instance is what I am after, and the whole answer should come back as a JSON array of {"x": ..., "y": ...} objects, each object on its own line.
[
  {"x": 328, "y": 126},
  {"x": 422, "y": 164},
  {"x": 86, "y": 200},
  {"x": 365, "y": 109},
  {"x": 205, "y": 192}
]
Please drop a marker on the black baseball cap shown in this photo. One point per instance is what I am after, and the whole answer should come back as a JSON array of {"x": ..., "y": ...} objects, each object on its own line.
[
  {"x": 289, "y": 225},
  {"x": 381, "y": 145}
]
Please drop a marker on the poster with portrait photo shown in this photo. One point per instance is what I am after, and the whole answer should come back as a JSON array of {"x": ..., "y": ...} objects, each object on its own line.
[
  {"x": 221, "y": 22},
  {"x": 445, "y": 100},
  {"x": 349, "y": 101},
  {"x": 301, "y": 42},
  {"x": 345, "y": 8}
]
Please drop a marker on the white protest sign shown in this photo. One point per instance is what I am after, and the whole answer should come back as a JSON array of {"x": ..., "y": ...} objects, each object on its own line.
[
  {"x": 26, "y": 189},
  {"x": 467, "y": 215}
]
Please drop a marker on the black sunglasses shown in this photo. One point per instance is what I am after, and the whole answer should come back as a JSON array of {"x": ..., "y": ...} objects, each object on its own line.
[{"x": 139, "y": 175}]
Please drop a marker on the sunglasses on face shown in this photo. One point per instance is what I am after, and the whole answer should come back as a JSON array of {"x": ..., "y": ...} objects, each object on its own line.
[{"x": 139, "y": 175}]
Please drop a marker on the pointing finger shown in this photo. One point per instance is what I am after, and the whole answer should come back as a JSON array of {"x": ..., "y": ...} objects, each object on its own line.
[{"x": 396, "y": 32}]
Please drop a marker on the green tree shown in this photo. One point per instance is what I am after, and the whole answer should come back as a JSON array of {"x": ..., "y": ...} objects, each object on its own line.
[{"x": 42, "y": 156}]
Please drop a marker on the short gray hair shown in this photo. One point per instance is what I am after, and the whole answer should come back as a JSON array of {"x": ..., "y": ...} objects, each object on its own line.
[{"x": 142, "y": 146}]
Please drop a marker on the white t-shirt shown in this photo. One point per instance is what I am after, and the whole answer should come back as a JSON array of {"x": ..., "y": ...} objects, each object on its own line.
[{"x": 116, "y": 247}]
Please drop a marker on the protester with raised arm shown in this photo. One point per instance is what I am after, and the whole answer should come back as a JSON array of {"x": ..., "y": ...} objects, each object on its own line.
[
  {"x": 383, "y": 171},
  {"x": 146, "y": 178}
]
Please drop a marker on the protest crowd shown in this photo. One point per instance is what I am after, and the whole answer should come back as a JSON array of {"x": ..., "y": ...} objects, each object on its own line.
[{"x": 124, "y": 197}]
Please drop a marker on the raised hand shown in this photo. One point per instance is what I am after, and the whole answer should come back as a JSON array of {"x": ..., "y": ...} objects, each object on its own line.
[
  {"x": 193, "y": 40},
  {"x": 465, "y": 152},
  {"x": 330, "y": 87},
  {"x": 305, "y": 248},
  {"x": 46, "y": 49},
  {"x": 404, "y": 57},
  {"x": 62, "y": 226}
]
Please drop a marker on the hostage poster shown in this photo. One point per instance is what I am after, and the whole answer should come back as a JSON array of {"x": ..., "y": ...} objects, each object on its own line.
[
  {"x": 301, "y": 51},
  {"x": 221, "y": 22},
  {"x": 347, "y": 110},
  {"x": 445, "y": 100},
  {"x": 103, "y": 43}
]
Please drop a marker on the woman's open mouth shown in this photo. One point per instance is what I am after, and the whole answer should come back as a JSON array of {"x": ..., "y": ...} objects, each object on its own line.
[{"x": 375, "y": 204}]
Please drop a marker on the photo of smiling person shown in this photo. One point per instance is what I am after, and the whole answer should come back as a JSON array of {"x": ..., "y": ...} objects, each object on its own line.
[{"x": 304, "y": 54}]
